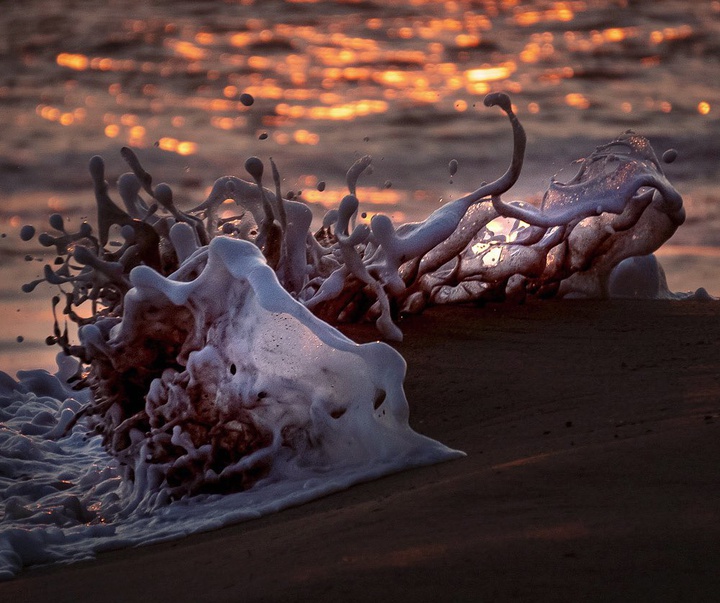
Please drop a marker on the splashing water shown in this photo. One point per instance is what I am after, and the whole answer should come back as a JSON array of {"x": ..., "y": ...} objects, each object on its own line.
[
  {"x": 216, "y": 385},
  {"x": 619, "y": 205},
  {"x": 204, "y": 363}
]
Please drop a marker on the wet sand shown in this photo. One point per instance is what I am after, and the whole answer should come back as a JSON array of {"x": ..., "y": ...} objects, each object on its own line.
[{"x": 593, "y": 438}]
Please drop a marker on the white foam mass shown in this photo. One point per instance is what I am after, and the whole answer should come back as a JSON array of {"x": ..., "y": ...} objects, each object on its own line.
[{"x": 329, "y": 413}]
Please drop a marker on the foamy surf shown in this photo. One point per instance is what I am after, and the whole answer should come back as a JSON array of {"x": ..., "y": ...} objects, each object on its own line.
[{"x": 67, "y": 499}]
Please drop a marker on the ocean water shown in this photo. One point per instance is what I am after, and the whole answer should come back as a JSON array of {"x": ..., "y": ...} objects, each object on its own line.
[{"x": 335, "y": 80}]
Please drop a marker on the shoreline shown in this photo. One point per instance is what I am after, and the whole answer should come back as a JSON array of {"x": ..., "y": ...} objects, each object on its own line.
[{"x": 591, "y": 429}]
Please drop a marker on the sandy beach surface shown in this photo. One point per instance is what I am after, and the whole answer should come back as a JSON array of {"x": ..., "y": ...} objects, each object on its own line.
[{"x": 592, "y": 432}]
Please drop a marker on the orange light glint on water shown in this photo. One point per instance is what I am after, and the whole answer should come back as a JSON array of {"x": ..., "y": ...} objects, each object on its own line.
[
  {"x": 467, "y": 40},
  {"x": 703, "y": 107},
  {"x": 187, "y": 50},
  {"x": 222, "y": 123},
  {"x": 490, "y": 74},
  {"x": 306, "y": 137},
  {"x": 79, "y": 62},
  {"x": 561, "y": 11},
  {"x": 614, "y": 34},
  {"x": 181, "y": 147},
  {"x": 137, "y": 131},
  {"x": 204, "y": 38},
  {"x": 168, "y": 144},
  {"x": 577, "y": 100},
  {"x": 187, "y": 148},
  {"x": 527, "y": 18},
  {"x": 368, "y": 195}
]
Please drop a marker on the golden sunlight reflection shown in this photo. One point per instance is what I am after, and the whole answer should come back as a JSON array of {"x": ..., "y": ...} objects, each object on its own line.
[
  {"x": 577, "y": 100},
  {"x": 560, "y": 12},
  {"x": 368, "y": 195},
  {"x": 306, "y": 71},
  {"x": 65, "y": 118},
  {"x": 297, "y": 80},
  {"x": 181, "y": 147},
  {"x": 79, "y": 62}
]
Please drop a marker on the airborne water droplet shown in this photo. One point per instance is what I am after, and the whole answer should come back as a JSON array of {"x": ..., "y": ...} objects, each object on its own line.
[
  {"x": 27, "y": 232},
  {"x": 670, "y": 155},
  {"x": 56, "y": 221}
]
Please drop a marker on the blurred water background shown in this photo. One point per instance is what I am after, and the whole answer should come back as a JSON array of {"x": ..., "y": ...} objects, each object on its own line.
[{"x": 334, "y": 80}]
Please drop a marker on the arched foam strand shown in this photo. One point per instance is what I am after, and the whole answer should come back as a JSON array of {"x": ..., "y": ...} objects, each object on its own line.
[
  {"x": 416, "y": 240},
  {"x": 594, "y": 191},
  {"x": 144, "y": 178},
  {"x": 351, "y": 178},
  {"x": 356, "y": 169},
  {"x": 595, "y": 245},
  {"x": 244, "y": 193}
]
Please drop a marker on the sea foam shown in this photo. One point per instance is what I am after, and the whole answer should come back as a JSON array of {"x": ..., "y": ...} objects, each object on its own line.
[{"x": 321, "y": 412}]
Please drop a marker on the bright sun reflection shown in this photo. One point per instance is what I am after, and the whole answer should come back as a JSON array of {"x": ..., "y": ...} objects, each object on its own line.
[{"x": 306, "y": 75}]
